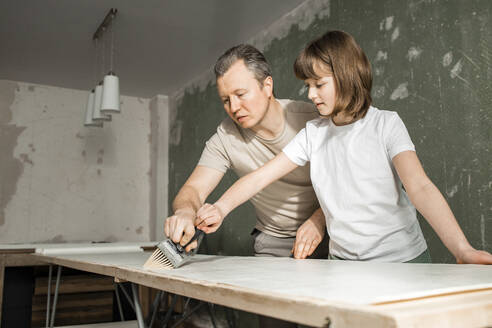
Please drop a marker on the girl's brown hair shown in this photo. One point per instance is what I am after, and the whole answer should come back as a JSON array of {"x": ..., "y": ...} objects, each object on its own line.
[{"x": 337, "y": 52}]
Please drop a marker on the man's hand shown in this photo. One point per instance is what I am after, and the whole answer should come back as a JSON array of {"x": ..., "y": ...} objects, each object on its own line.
[
  {"x": 209, "y": 218},
  {"x": 473, "y": 256},
  {"x": 180, "y": 228},
  {"x": 309, "y": 235}
]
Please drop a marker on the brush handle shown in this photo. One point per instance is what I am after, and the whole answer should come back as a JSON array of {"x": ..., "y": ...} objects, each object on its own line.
[{"x": 198, "y": 234}]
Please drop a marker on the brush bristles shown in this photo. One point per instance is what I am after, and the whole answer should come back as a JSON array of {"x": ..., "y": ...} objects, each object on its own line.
[{"x": 158, "y": 261}]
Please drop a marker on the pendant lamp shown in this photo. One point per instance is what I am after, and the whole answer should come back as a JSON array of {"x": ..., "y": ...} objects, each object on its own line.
[
  {"x": 89, "y": 111},
  {"x": 111, "y": 90},
  {"x": 111, "y": 94},
  {"x": 104, "y": 98},
  {"x": 96, "y": 113}
]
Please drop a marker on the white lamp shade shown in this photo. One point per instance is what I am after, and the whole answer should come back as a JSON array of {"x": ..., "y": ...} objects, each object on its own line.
[
  {"x": 96, "y": 113},
  {"x": 89, "y": 111},
  {"x": 111, "y": 94}
]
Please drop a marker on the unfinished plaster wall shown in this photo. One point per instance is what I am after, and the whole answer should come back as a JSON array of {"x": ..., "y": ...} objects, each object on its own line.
[
  {"x": 159, "y": 160},
  {"x": 432, "y": 64},
  {"x": 61, "y": 181}
]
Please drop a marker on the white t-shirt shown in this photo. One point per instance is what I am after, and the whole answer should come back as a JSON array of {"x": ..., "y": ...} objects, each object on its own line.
[{"x": 368, "y": 214}]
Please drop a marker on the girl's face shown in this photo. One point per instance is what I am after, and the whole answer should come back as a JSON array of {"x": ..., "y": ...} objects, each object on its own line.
[{"x": 322, "y": 91}]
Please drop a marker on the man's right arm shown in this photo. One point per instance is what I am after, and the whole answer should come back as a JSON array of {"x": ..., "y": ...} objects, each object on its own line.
[{"x": 180, "y": 227}]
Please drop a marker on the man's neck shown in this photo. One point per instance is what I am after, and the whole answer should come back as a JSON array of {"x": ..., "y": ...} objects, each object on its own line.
[{"x": 272, "y": 124}]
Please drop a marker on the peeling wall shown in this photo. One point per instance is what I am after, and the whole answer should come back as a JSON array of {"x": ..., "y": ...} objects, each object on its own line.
[
  {"x": 10, "y": 168},
  {"x": 432, "y": 63},
  {"x": 61, "y": 181},
  {"x": 159, "y": 163}
]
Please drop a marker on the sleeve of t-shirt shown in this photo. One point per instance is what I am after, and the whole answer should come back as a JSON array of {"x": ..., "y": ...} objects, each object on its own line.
[
  {"x": 397, "y": 137},
  {"x": 214, "y": 155},
  {"x": 297, "y": 149}
]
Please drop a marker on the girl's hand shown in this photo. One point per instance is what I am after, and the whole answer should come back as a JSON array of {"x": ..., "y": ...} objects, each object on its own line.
[
  {"x": 308, "y": 236},
  {"x": 473, "y": 256},
  {"x": 209, "y": 218}
]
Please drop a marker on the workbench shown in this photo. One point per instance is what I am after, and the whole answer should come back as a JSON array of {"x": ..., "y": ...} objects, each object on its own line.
[
  {"x": 20, "y": 254},
  {"x": 318, "y": 293}
]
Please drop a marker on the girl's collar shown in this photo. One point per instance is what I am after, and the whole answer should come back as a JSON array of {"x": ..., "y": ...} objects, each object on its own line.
[{"x": 350, "y": 124}]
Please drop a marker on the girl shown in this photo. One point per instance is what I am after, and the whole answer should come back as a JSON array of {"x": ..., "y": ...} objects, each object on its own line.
[{"x": 360, "y": 157}]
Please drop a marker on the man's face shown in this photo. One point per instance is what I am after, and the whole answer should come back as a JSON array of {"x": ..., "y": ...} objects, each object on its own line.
[{"x": 245, "y": 99}]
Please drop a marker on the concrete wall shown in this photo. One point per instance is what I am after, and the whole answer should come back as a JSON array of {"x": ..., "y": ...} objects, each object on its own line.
[
  {"x": 61, "y": 181},
  {"x": 159, "y": 161},
  {"x": 432, "y": 63}
]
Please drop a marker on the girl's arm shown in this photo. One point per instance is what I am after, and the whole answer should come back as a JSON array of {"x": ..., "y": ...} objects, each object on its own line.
[
  {"x": 429, "y": 201},
  {"x": 210, "y": 217}
]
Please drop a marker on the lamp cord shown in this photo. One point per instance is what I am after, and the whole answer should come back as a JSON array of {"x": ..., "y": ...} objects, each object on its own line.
[
  {"x": 103, "y": 54},
  {"x": 112, "y": 44},
  {"x": 96, "y": 62}
]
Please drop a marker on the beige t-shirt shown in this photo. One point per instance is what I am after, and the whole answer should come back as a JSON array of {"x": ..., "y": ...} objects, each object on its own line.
[{"x": 286, "y": 203}]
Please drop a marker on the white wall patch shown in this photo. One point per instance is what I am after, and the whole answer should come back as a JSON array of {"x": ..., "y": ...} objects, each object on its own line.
[
  {"x": 414, "y": 53},
  {"x": 381, "y": 55},
  {"x": 456, "y": 70},
  {"x": 386, "y": 23},
  {"x": 401, "y": 92},
  {"x": 395, "y": 34},
  {"x": 447, "y": 59}
]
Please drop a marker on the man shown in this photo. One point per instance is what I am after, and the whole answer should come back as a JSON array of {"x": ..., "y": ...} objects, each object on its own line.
[
  {"x": 258, "y": 127},
  {"x": 289, "y": 220}
]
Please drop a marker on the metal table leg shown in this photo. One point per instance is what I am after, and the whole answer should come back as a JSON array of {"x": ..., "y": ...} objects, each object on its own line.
[
  {"x": 50, "y": 271},
  {"x": 129, "y": 299},
  {"x": 181, "y": 320},
  {"x": 211, "y": 312},
  {"x": 231, "y": 320},
  {"x": 118, "y": 301},
  {"x": 55, "y": 297},
  {"x": 138, "y": 310},
  {"x": 170, "y": 310},
  {"x": 155, "y": 307}
]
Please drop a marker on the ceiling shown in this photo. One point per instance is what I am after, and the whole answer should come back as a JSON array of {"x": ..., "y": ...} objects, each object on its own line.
[{"x": 159, "y": 44}]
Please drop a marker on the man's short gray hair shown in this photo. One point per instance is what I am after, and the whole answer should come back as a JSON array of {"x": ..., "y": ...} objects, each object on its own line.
[{"x": 254, "y": 60}]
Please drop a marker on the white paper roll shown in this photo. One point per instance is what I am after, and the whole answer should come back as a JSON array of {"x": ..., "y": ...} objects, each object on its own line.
[{"x": 89, "y": 249}]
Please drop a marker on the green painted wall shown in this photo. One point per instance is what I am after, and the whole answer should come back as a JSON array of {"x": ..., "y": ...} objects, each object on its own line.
[{"x": 432, "y": 63}]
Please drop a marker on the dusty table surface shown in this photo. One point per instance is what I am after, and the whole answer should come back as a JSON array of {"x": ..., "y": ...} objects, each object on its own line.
[{"x": 343, "y": 281}]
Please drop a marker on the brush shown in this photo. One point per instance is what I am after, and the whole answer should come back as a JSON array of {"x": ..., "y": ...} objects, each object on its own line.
[{"x": 170, "y": 255}]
